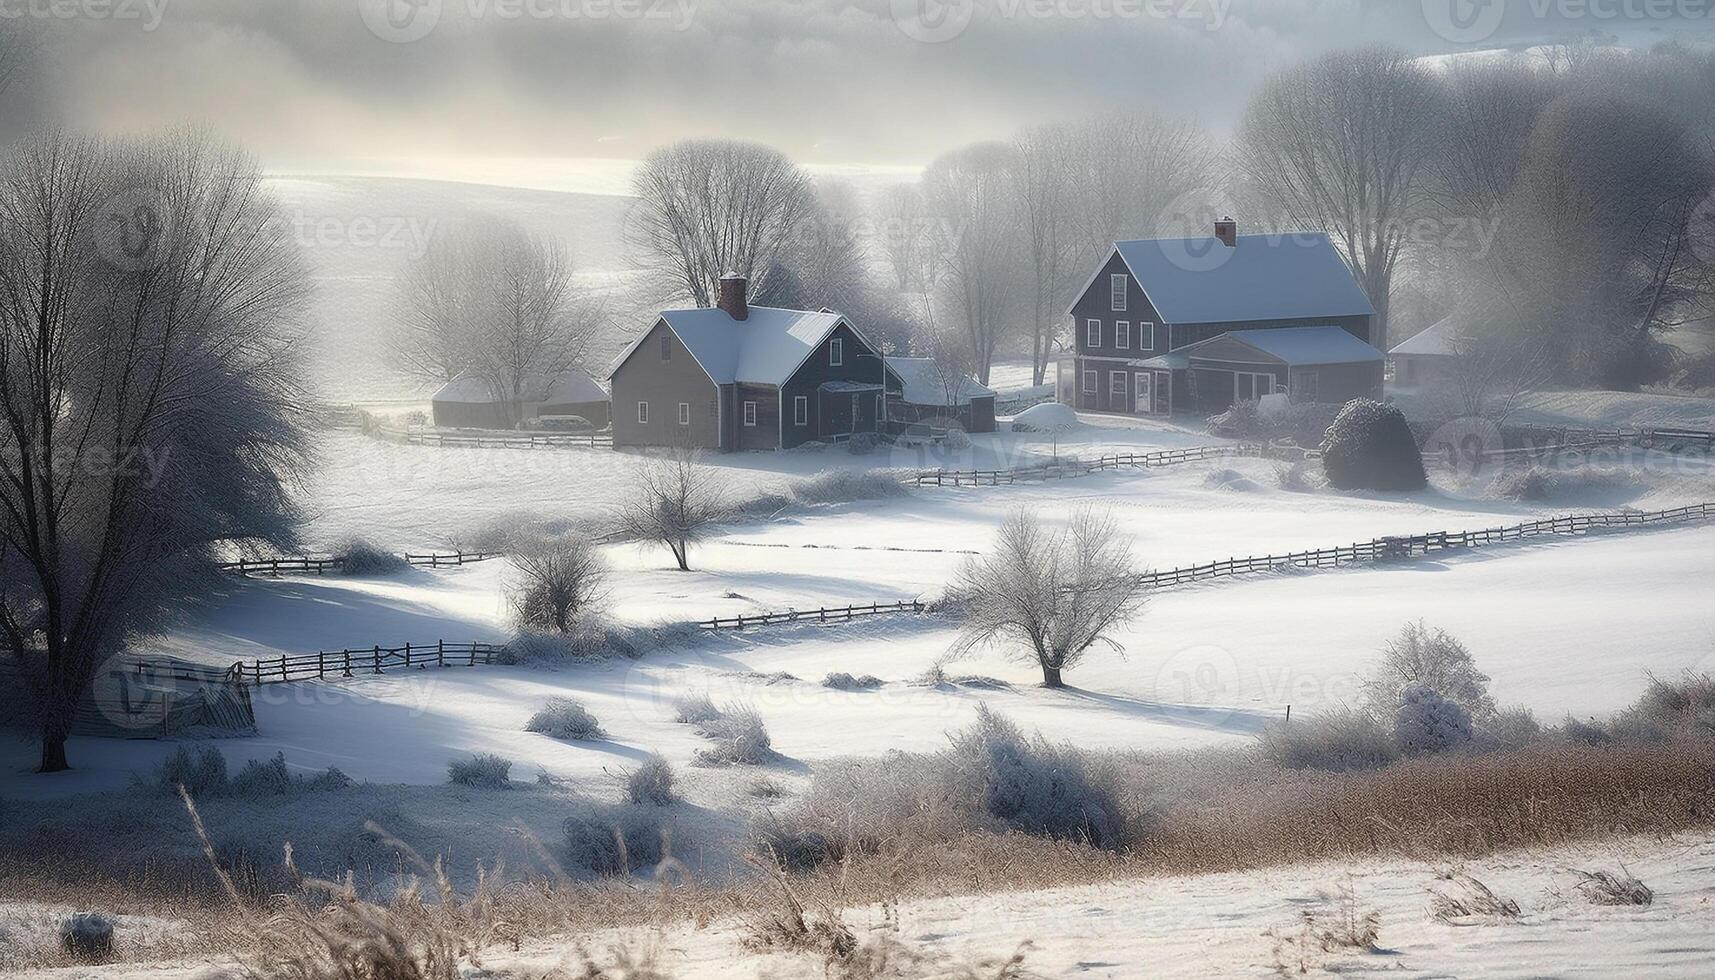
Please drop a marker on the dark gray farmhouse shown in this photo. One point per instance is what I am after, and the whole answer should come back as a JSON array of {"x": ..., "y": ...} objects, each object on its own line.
[
  {"x": 1174, "y": 324},
  {"x": 747, "y": 377}
]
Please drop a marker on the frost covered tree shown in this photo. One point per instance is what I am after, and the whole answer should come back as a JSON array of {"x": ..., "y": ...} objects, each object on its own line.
[
  {"x": 708, "y": 208},
  {"x": 494, "y": 300},
  {"x": 676, "y": 503},
  {"x": 557, "y": 581},
  {"x": 1341, "y": 145},
  {"x": 975, "y": 255},
  {"x": 1427, "y": 657},
  {"x": 1048, "y": 595},
  {"x": 151, "y": 402}
]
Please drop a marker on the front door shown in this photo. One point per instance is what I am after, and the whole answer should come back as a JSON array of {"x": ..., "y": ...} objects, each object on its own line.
[
  {"x": 1142, "y": 393},
  {"x": 1066, "y": 379}
]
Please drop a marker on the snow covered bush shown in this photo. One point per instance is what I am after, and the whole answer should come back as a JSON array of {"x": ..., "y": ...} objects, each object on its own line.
[
  {"x": 483, "y": 771},
  {"x": 1433, "y": 658},
  {"x": 1034, "y": 787},
  {"x": 620, "y": 839},
  {"x": 1336, "y": 740},
  {"x": 87, "y": 936},
  {"x": 1427, "y": 723},
  {"x": 739, "y": 736},
  {"x": 359, "y": 557},
  {"x": 1509, "y": 729},
  {"x": 1299, "y": 477},
  {"x": 1229, "y": 479},
  {"x": 1047, "y": 417},
  {"x": 1542, "y": 484},
  {"x": 1370, "y": 447},
  {"x": 862, "y": 443},
  {"x": 695, "y": 709},
  {"x": 845, "y": 485},
  {"x": 556, "y": 582},
  {"x": 199, "y": 772},
  {"x": 651, "y": 784},
  {"x": 564, "y": 718},
  {"x": 842, "y": 681},
  {"x": 1668, "y": 710},
  {"x": 957, "y": 440},
  {"x": 1241, "y": 420},
  {"x": 270, "y": 778}
]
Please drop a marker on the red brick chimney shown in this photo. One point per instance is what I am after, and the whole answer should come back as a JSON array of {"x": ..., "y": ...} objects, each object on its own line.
[
  {"x": 1227, "y": 230},
  {"x": 732, "y": 297}
]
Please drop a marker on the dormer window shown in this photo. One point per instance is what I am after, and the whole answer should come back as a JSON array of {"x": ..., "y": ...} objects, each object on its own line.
[
  {"x": 836, "y": 352},
  {"x": 1116, "y": 291}
]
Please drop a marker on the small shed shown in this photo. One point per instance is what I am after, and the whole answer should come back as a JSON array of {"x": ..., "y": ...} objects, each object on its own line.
[
  {"x": 926, "y": 396},
  {"x": 469, "y": 402},
  {"x": 1309, "y": 364},
  {"x": 1427, "y": 356}
]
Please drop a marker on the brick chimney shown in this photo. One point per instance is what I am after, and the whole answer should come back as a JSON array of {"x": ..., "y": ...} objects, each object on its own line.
[
  {"x": 732, "y": 297},
  {"x": 1227, "y": 230}
]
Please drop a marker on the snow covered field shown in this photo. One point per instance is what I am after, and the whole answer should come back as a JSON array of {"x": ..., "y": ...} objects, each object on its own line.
[{"x": 1555, "y": 623}]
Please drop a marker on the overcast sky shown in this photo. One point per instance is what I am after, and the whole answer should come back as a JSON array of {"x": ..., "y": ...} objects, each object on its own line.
[{"x": 311, "y": 83}]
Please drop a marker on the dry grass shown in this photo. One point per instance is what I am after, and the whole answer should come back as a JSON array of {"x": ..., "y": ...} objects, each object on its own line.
[
  {"x": 1611, "y": 888},
  {"x": 1340, "y": 928},
  {"x": 1465, "y": 897}
]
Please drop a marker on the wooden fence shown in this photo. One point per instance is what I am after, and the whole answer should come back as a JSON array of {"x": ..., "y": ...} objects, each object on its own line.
[
  {"x": 371, "y": 660},
  {"x": 322, "y": 564},
  {"x": 1410, "y": 546},
  {"x": 503, "y": 440},
  {"x": 837, "y": 614},
  {"x": 1070, "y": 468}
]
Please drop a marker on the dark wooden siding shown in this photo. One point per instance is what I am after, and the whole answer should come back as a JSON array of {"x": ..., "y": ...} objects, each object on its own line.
[
  {"x": 1337, "y": 383},
  {"x": 1185, "y": 334},
  {"x": 645, "y": 377},
  {"x": 858, "y": 363},
  {"x": 765, "y": 434},
  {"x": 1096, "y": 304}
]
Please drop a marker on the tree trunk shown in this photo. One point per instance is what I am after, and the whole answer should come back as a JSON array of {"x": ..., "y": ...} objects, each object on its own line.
[
  {"x": 1051, "y": 677},
  {"x": 53, "y": 753},
  {"x": 682, "y": 554}
]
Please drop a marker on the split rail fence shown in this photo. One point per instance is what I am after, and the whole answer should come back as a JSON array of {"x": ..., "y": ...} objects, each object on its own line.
[
  {"x": 831, "y": 614},
  {"x": 369, "y": 660},
  {"x": 508, "y": 440},
  {"x": 322, "y": 564},
  {"x": 1071, "y": 468}
]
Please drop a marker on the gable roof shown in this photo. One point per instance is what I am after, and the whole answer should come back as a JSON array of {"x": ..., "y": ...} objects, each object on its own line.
[
  {"x": 765, "y": 348},
  {"x": 921, "y": 383},
  {"x": 1301, "y": 345},
  {"x": 572, "y": 385},
  {"x": 1435, "y": 340},
  {"x": 1262, "y": 277}
]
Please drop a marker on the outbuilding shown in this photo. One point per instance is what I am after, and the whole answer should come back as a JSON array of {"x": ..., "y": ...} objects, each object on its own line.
[
  {"x": 470, "y": 402},
  {"x": 1309, "y": 364},
  {"x": 934, "y": 395},
  {"x": 1427, "y": 356}
]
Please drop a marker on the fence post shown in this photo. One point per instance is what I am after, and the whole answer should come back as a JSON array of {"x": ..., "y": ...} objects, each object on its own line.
[
  {"x": 441, "y": 653},
  {"x": 407, "y": 653},
  {"x": 378, "y": 658},
  {"x": 347, "y": 666},
  {"x": 321, "y": 665}
]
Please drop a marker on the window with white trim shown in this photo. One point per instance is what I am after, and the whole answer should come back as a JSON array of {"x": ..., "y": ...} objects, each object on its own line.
[
  {"x": 750, "y": 413},
  {"x": 1146, "y": 336},
  {"x": 1092, "y": 333},
  {"x": 1116, "y": 292},
  {"x": 1116, "y": 384},
  {"x": 684, "y": 413},
  {"x": 836, "y": 352},
  {"x": 1122, "y": 335},
  {"x": 801, "y": 410},
  {"x": 1091, "y": 380},
  {"x": 642, "y": 413}
]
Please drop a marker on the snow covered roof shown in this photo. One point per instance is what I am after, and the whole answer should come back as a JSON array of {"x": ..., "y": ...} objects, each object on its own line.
[
  {"x": 765, "y": 348},
  {"x": 1435, "y": 340},
  {"x": 1262, "y": 277},
  {"x": 1301, "y": 345},
  {"x": 922, "y": 383},
  {"x": 564, "y": 388},
  {"x": 1173, "y": 360}
]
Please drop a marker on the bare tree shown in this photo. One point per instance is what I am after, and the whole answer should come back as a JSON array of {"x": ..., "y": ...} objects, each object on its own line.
[
  {"x": 493, "y": 300},
  {"x": 1043, "y": 182},
  {"x": 1339, "y": 145},
  {"x": 949, "y": 363},
  {"x": 976, "y": 252},
  {"x": 709, "y": 208},
  {"x": 676, "y": 503},
  {"x": 151, "y": 401},
  {"x": 902, "y": 229},
  {"x": 557, "y": 581},
  {"x": 1048, "y": 596}
]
